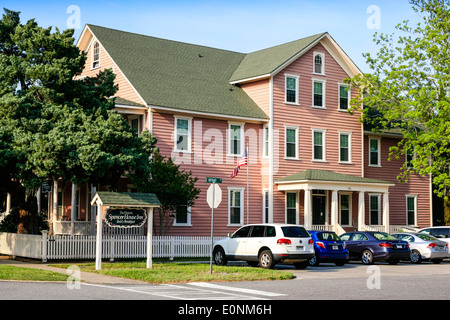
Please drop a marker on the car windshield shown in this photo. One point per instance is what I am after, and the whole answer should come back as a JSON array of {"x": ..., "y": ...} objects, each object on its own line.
[
  {"x": 295, "y": 232},
  {"x": 383, "y": 236},
  {"x": 328, "y": 236},
  {"x": 427, "y": 237}
]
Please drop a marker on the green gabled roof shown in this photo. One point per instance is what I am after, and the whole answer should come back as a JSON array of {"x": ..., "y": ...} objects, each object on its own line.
[
  {"x": 107, "y": 198},
  {"x": 266, "y": 61},
  {"x": 179, "y": 75},
  {"x": 327, "y": 175}
]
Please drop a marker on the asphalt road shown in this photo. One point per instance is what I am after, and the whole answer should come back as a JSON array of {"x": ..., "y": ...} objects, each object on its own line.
[{"x": 353, "y": 281}]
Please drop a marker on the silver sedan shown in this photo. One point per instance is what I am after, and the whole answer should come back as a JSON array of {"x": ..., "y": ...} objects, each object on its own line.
[{"x": 425, "y": 247}]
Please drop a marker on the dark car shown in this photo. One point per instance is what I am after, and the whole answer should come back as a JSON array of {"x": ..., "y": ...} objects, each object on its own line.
[
  {"x": 328, "y": 247},
  {"x": 369, "y": 246}
]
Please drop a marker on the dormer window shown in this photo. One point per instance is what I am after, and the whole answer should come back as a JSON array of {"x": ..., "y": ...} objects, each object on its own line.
[
  {"x": 319, "y": 63},
  {"x": 96, "y": 55}
]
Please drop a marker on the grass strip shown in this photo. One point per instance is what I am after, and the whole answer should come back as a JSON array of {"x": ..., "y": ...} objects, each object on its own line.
[
  {"x": 182, "y": 272},
  {"x": 29, "y": 274}
]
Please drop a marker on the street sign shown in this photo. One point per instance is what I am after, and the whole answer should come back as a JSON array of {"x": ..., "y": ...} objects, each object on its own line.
[
  {"x": 214, "y": 196},
  {"x": 214, "y": 180}
]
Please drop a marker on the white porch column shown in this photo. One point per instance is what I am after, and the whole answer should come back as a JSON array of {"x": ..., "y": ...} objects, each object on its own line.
[
  {"x": 149, "y": 238},
  {"x": 334, "y": 209},
  {"x": 8, "y": 203},
  {"x": 361, "y": 211},
  {"x": 386, "y": 211},
  {"x": 73, "y": 214},
  {"x": 39, "y": 199},
  {"x": 93, "y": 208},
  {"x": 55, "y": 204},
  {"x": 98, "y": 243},
  {"x": 307, "y": 214}
]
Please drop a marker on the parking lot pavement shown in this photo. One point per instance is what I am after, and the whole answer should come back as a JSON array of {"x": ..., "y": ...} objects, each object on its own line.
[{"x": 358, "y": 270}]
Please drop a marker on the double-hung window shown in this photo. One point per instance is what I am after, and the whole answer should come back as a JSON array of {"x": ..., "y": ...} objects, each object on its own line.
[
  {"x": 374, "y": 152},
  {"x": 411, "y": 209},
  {"x": 345, "y": 142},
  {"x": 266, "y": 142},
  {"x": 236, "y": 141},
  {"x": 345, "y": 208},
  {"x": 182, "y": 216},
  {"x": 291, "y": 146},
  {"x": 319, "y": 145},
  {"x": 291, "y": 207},
  {"x": 344, "y": 94},
  {"x": 182, "y": 134},
  {"x": 292, "y": 88},
  {"x": 374, "y": 207},
  {"x": 96, "y": 55},
  {"x": 235, "y": 206},
  {"x": 319, "y": 63},
  {"x": 319, "y": 93}
]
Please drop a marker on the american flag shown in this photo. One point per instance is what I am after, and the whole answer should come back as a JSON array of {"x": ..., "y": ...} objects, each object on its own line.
[{"x": 242, "y": 162}]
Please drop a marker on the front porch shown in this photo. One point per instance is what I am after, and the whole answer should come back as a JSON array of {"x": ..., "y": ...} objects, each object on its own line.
[{"x": 330, "y": 201}]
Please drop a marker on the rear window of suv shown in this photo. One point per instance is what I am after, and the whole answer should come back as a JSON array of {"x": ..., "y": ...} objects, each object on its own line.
[{"x": 295, "y": 232}]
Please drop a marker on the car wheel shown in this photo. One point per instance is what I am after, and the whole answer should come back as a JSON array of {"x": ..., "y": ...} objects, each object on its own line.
[
  {"x": 266, "y": 260},
  {"x": 301, "y": 265},
  {"x": 219, "y": 257},
  {"x": 367, "y": 257},
  {"x": 313, "y": 261},
  {"x": 415, "y": 256}
]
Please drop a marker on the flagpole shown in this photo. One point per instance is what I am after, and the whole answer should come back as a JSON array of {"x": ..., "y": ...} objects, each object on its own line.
[{"x": 248, "y": 190}]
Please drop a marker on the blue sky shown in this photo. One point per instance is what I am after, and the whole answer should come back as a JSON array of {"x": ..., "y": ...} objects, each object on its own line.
[{"x": 243, "y": 26}]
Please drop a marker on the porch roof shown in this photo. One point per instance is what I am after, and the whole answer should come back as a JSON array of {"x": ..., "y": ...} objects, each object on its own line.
[
  {"x": 125, "y": 199},
  {"x": 313, "y": 175}
]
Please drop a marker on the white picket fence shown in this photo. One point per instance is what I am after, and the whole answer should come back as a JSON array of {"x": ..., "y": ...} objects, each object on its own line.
[{"x": 113, "y": 246}]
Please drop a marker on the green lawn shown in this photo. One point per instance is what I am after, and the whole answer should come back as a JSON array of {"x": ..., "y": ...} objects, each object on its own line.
[
  {"x": 29, "y": 274},
  {"x": 182, "y": 272}
]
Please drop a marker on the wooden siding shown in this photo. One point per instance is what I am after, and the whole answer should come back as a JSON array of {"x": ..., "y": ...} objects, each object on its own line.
[
  {"x": 209, "y": 159},
  {"x": 417, "y": 185},
  {"x": 307, "y": 117},
  {"x": 126, "y": 91}
]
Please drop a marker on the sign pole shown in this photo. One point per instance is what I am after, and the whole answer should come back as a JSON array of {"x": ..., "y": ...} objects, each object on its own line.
[
  {"x": 212, "y": 227},
  {"x": 149, "y": 238},
  {"x": 98, "y": 244}
]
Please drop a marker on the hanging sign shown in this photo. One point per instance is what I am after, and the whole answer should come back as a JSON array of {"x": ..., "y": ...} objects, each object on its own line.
[{"x": 125, "y": 217}]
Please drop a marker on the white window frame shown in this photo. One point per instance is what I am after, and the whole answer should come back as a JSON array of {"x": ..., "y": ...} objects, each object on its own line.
[
  {"x": 242, "y": 191},
  {"x": 378, "y": 151},
  {"x": 93, "y": 55},
  {"x": 134, "y": 117},
  {"x": 349, "y": 194},
  {"x": 175, "y": 146},
  {"x": 414, "y": 196},
  {"x": 242, "y": 138},
  {"x": 349, "y": 134},
  {"x": 324, "y": 145},
  {"x": 322, "y": 55},
  {"x": 266, "y": 205},
  {"x": 266, "y": 141},
  {"x": 296, "y": 206},
  {"x": 297, "y": 87},
  {"x": 296, "y": 156},
  {"x": 349, "y": 95},
  {"x": 378, "y": 196},
  {"x": 183, "y": 224},
  {"x": 324, "y": 95}
]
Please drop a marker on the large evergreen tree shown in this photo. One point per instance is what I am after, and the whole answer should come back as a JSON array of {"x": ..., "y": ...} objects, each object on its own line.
[{"x": 53, "y": 126}]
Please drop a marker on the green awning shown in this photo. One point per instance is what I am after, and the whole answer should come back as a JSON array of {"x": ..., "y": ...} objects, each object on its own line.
[
  {"x": 125, "y": 199},
  {"x": 328, "y": 175}
]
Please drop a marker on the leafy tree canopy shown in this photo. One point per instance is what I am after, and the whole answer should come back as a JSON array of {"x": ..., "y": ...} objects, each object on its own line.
[{"x": 408, "y": 91}]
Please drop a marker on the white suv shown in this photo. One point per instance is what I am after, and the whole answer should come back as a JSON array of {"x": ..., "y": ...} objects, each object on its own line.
[{"x": 266, "y": 244}]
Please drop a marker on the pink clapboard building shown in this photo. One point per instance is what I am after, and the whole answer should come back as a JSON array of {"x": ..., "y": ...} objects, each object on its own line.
[{"x": 310, "y": 161}]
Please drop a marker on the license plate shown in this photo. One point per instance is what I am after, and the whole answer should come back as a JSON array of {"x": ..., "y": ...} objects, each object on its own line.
[
  {"x": 335, "y": 247},
  {"x": 399, "y": 246},
  {"x": 300, "y": 248}
]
